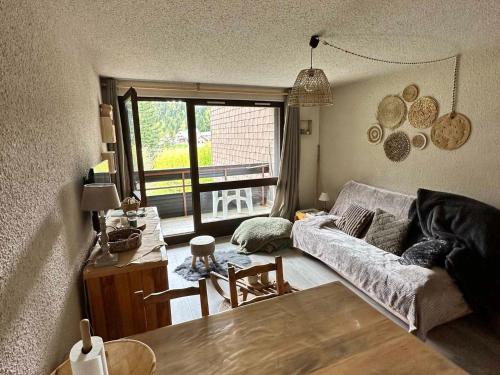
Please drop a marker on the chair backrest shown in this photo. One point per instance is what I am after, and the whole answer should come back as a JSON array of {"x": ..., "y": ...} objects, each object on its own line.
[
  {"x": 234, "y": 276},
  {"x": 166, "y": 296}
]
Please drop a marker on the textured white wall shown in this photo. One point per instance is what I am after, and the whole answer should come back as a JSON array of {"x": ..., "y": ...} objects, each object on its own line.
[
  {"x": 49, "y": 137},
  {"x": 472, "y": 170},
  {"x": 308, "y": 154}
]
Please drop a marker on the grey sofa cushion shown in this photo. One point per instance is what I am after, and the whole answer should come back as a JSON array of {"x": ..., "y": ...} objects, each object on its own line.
[
  {"x": 428, "y": 253},
  {"x": 354, "y": 220},
  {"x": 387, "y": 232}
]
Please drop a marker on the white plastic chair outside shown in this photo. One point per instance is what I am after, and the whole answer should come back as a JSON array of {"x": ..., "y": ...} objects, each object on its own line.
[{"x": 227, "y": 198}]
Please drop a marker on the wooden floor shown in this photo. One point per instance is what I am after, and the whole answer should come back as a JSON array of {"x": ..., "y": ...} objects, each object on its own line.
[
  {"x": 468, "y": 342},
  {"x": 301, "y": 271}
]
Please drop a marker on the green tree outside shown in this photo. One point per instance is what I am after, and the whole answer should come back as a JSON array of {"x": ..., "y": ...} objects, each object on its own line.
[{"x": 160, "y": 123}]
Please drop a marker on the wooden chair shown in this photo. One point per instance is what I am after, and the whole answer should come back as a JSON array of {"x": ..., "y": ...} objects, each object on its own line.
[
  {"x": 266, "y": 292},
  {"x": 165, "y": 297}
]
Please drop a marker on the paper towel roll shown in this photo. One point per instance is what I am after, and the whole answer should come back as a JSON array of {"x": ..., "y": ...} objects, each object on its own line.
[{"x": 92, "y": 363}]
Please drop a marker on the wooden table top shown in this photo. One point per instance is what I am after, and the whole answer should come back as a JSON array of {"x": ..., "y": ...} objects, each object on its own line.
[
  {"x": 322, "y": 330},
  {"x": 151, "y": 236}
]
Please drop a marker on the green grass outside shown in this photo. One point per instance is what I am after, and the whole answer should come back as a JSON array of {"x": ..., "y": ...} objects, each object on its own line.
[{"x": 177, "y": 156}]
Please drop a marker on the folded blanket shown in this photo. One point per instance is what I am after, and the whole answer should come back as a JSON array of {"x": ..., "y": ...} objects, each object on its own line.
[
  {"x": 262, "y": 234},
  {"x": 473, "y": 230}
]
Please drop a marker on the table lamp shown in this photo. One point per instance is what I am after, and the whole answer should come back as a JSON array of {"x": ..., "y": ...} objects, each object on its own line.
[
  {"x": 100, "y": 198},
  {"x": 324, "y": 198}
]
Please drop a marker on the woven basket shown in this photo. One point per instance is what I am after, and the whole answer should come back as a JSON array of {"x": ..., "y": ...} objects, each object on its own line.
[
  {"x": 124, "y": 240},
  {"x": 130, "y": 204},
  {"x": 451, "y": 131},
  {"x": 391, "y": 112},
  {"x": 397, "y": 146},
  {"x": 423, "y": 112},
  {"x": 410, "y": 93}
]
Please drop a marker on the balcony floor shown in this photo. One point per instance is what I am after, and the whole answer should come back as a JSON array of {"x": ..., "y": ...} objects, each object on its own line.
[{"x": 184, "y": 224}]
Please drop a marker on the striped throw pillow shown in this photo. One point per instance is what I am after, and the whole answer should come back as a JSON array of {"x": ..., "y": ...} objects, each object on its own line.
[{"x": 354, "y": 220}]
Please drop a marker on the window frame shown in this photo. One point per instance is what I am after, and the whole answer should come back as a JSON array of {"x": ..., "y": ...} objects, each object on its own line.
[{"x": 227, "y": 226}]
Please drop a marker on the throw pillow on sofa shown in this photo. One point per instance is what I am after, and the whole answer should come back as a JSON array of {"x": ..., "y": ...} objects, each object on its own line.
[
  {"x": 387, "y": 232},
  {"x": 428, "y": 253},
  {"x": 354, "y": 220}
]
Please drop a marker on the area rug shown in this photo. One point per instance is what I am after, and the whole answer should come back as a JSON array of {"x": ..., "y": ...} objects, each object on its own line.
[{"x": 222, "y": 258}]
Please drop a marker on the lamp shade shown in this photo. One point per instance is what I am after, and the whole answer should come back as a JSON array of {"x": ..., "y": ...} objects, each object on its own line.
[
  {"x": 324, "y": 197},
  {"x": 110, "y": 157},
  {"x": 108, "y": 134},
  {"x": 97, "y": 197},
  {"x": 311, "y": 88}
]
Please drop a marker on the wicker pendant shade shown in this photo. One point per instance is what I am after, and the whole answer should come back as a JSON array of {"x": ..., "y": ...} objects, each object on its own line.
[{"x": 311, "y": 89}]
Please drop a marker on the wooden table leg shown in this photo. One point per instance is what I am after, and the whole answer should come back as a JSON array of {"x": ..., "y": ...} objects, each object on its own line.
[
  {"x": 205, "y": 259},
  {"x": 213, "y": 258},
  {"x": 193, "y": 262}
]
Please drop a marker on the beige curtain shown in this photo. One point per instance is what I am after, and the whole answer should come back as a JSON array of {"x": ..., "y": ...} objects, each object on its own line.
[
  {"x": 121, "y": 179},
  {"x": 287, "y": 190}
]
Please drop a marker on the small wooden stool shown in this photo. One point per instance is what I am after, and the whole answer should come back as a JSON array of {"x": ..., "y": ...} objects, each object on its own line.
[{"x": 202, "y": 247}]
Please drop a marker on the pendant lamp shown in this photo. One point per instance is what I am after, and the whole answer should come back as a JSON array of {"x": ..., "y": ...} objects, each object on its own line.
[{"x": 311, "y": 88}]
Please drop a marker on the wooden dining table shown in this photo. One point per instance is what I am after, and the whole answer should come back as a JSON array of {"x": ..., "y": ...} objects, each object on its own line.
[{"x": 322, "y": 330}]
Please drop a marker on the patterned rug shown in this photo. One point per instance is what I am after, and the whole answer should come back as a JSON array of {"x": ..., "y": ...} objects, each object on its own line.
[{"x": 222, "y": 258}]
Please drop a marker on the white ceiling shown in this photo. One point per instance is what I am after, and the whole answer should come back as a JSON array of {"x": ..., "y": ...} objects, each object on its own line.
[{"x": 266, "y": 42}]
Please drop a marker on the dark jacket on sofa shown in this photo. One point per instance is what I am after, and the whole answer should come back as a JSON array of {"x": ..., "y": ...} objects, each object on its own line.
[{"x": 473, "y": 229}]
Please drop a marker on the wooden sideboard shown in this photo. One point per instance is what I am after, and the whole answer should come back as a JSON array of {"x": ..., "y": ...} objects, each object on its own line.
[{"x": 110, "y": 290}]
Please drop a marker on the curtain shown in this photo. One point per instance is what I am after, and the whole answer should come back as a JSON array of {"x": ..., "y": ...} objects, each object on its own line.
[
  {"x": 121, "y": 179},
  {"x": 286, "y": 200}
]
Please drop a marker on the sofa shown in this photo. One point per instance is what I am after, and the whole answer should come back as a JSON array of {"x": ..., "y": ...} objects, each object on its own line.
[{"x": 422, "y": 298}]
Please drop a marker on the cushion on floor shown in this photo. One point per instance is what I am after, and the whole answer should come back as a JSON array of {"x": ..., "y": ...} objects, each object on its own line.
[{"x": 262, "y": 234}]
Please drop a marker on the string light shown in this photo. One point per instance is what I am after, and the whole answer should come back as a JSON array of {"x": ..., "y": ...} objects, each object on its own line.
[{"x": 312, "y": 88}]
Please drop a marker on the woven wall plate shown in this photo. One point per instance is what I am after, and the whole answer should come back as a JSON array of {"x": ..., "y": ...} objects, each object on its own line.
[
  {"x": 451, "y": 133},
  {"x": 391, "y": 112},
  {"x": 397, "y": 146},
  {"x": 423, "y": 112},
  {"x": 410, "y": 93},
  {"x": 419, "y": 141},
  {"x": 375, "y": 134}
]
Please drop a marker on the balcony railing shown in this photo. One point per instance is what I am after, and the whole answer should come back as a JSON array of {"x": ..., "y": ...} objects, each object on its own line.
[{"x": 211, "y": 173}]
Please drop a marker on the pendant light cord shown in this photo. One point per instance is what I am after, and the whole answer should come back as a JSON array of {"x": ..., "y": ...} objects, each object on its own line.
[
  {"x": 455, "y": 86},
  {"x": 455, "y": 73},
  {"x": 387, "y": 61}
]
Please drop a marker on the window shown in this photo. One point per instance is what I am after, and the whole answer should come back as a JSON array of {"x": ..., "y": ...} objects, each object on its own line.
[{"x": 207, "y": 165}]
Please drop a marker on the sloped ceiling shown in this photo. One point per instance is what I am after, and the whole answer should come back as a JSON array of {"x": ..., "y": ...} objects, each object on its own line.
[{"x": 266, "y": 42}]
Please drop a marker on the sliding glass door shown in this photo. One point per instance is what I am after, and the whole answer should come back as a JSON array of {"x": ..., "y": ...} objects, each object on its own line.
[
  {"x": 206, "y": 165},
  {"x": 238, "y": 155},
  {"x": 167, "y": 162},
  {"x": 161, "y": 164}
]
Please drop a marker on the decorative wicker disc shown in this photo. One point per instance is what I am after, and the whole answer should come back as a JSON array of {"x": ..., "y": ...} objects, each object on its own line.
[
  {"x": 451, "y": 133},
  {"x": 410, "y": 93},
  {"x": 375, "y": 134},
  {"x": 397, "y": 146},
  {"x": 419, "y": 141},
  {"x": 423, "y": 112},
  {"x": 391, "y": 112}
]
